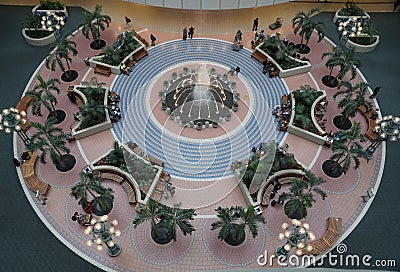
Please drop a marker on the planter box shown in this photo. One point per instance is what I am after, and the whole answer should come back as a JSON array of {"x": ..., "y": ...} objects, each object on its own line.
[
  {"x": 337, "y": 17},
  {"x": 64, "y": 10},
  {"x": 41, "y": 41},
  {"x": 116, "y": 69},
  {"x": 361, "y": 48},
  {"x": 289, "y": 72},
  {"x": 82, "y": 133},
  {"x": 321, "y": 140}
]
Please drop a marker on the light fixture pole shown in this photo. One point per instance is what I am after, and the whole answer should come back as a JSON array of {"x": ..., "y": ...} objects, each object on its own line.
[
  {"x": 386, "y": 128},
  {"x": 102, "y": 233},
  {"x": 11, "y": 119},
  {"x": 296, "y": 236}
]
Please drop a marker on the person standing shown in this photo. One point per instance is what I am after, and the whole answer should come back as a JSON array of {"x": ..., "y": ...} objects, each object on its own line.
[
  {"x": 255, "y": 24},
  {"x": 237, "y": 70},
  {"x": 127, "y": 21},
  {"x": 153, "y": 40},
  {"x": 191, "y": 32},
  {"x": 375, "y": 92},
  {"x": 184, "y": 34}
]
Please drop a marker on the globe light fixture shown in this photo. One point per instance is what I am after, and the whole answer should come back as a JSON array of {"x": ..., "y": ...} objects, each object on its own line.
[
  {"x": 52, "y": 22},
  {"x": 102, "y": 234},
  {"x": 352, "y": 27},
  {"x": 11, "y": 120}
]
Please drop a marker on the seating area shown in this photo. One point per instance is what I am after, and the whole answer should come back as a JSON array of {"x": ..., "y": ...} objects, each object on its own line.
[
  {"x": 30, "y": 177},
  {"x": 101, "y": 69},
  {"x": 23, "y": 105},
  {"x": 140, "y": 54},
  {"x": 283, "y": 112},
  {"x": 371, "y": 120},
  {"x": 329, "y": 238}
]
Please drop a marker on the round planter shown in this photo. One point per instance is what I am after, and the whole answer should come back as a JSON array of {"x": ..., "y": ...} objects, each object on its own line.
[
  {"x": 337, "y": 17},
  {"x": 41, "y": 41},
  {"x": 64, "y": 10},
  {"x": 360, "y": 48}
]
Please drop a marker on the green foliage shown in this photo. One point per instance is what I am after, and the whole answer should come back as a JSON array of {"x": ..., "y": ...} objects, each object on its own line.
[
  {"x": 351, "y": 9},
  {"x": 94, "y": 93},
  {"x": 275, "y": 48},
  {"x": 50, "y": 5},
  {"x": 92, "y": 185},
  {"x": 173, "y": 217},
  {"x": 233, "y": 221},
  {"x": 126, "y": 45},
  {"x": 300, "y": 196},
  {"x": 32, "y": 21},
  {"x": 141, "y": 170},
  {"x": 354, "y": 98},
  {"x": 304, "y": 98},
  {"x": 304, "y": 26},
  {"x": 50, "y": 140},
  {"x": 92, "y": 114},
  {"x": 94, "y": 23},
  {"x": 116, "y": 156},
  {"x": 367, "y": 36},
  {"x": 42, "y": 95},
  {"x": 61, "y": 52}
]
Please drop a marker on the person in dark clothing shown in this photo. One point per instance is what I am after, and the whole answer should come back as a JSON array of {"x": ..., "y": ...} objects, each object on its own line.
[
  {"x": 191, "y": 32},
  {"x": 127, "y": 21},
  {"x": 255, "y": 24},
  {"x": 153, "y": 39},
  {"x": 237, "y": 70},
  {"x": 184, "y": 34},
  {"x": 375, "y": 92}
]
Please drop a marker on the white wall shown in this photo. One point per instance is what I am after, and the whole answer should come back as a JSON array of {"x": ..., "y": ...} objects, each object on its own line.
[{"x": 208, "y": 4}]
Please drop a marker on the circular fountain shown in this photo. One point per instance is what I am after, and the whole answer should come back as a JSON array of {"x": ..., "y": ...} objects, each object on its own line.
[{"x": 199, "y": 99}]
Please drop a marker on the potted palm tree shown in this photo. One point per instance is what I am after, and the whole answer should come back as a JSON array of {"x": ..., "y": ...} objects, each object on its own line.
[
  {"x": 92, "y": 114},
  {"x": 304, "y": 26},
  {"x": 102, "y": 198},
  {"x": 51, "y": 140},
  {"x": 300, "y": 196},
  {"x": 346, "y": 148},
  {"x": 164, "y": 221},
  {"x": 94, "y": 23},
  {"x": 233, "y": 221},
  {"x": 354, "y": 98},
  {"x": 34, "y": 34},
  {"x": 42, "y": 95},
  {"x": 61, "y": 54}
]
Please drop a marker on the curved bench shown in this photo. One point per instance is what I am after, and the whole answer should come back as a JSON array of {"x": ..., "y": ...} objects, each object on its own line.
[
  {"x": 31, "y": 180},
  {"x": 370, "y": 133},
  {"x": 22, "y": 105},
  {"x": 329, "y": 238}
]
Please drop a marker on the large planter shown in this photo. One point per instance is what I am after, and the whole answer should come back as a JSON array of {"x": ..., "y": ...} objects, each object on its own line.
[
  {"x": 77, "y": 133},
  {"x": 39, "y": 41},
  {"x": 115, "y": 69},
  {"x": 318, "y": 139},
  {"x": 42, "y": 11},
  {"x": 288, "y": 72},
  {"x": 337, "y": 17},
  {"x": 360, "y": 48}
]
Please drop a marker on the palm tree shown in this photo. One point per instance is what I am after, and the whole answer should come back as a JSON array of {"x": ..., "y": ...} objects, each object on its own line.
[
  {"x": 51, "y": 140},
  {"x": 92, "y": 114},
  {"x": 95, "y": 23},
  {"x": 300, "y": 196},
  {"x": 345, "y": 148},
  {"x": 42, "y": 95},
  {"x": 354, "y": 98},
  {"x": 335, "y": 60},
  {"x": 233, "y": 221},
  {"x": 350, "y": 63},
  {"x": 100, "y": 195},
  {"x": 62, "y": 52},
  {"x": 164, "y": 221},
  {"x": 303, "y": 25}
]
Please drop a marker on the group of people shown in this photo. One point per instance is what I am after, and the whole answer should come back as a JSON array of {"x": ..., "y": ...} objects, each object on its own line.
[
  {"x": 269, "y": 68},
  {"x": 282, "y": 113},
  {"x": 320, "y": 111},
  {"x": 82, "y": 219},
  {"x": 113, "y": 109},
  {"x": 187, "y": 32}
]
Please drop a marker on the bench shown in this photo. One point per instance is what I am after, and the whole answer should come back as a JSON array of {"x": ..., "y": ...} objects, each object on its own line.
[
  {"x": 141, "y": 39},
  {"x": 112, "y": 176},
  {"x": 129, "y": 189},
  {"x": 259, "y": 56},
  {"x": 267, "y": 194},
  {"x": 100, "y": 69},
  {"x": 31, "y": 180},
  {"x": 140, "y": 54},
  {"x": 370, "y": 133},
  {"x": 23, "y": 105},
  {"x": 329, "y": 238}
]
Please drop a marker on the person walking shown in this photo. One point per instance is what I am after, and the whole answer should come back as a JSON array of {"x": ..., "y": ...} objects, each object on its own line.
[
  {"x": 184, "y": 34},
  {"x": 255, "y": 24},
  {"x": 375, "y": 92},
  {"x": 237, "y": 70},
  {"x": 127, "y": 21},
  {"x": 191, "y": 32},
  {"x": 153, "y": 40}
]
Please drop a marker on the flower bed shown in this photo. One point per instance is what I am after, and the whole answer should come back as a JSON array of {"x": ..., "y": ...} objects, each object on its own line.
[
  {"x": 362, "y": 44},
  {"x": 38, "y": 37},
  {"x": 337, "y": 17}
]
